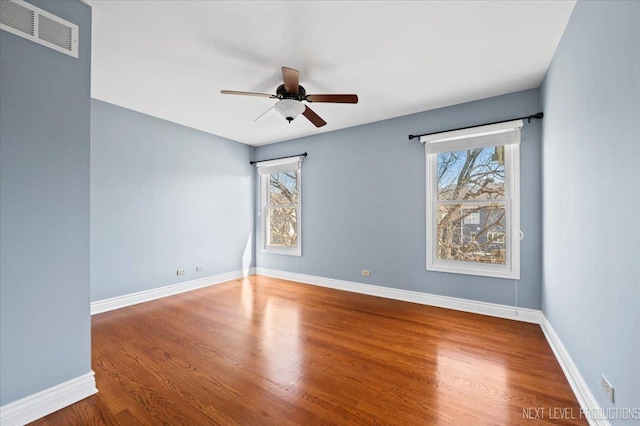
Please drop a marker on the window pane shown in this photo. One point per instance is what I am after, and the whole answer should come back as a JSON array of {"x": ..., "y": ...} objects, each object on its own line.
[
  {"x": 474, "y": 174},
  {"x": 472, "y": 232},
  {"x": 283, "y": 227},
  {"x": 283, "y": 188}
]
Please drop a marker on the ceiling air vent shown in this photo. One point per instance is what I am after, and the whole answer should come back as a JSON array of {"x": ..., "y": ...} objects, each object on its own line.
[{"x": 25, "y": 20}]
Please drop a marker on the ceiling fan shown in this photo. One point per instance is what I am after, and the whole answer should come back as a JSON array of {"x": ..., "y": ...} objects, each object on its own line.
[{"x": 290, "y": 96}]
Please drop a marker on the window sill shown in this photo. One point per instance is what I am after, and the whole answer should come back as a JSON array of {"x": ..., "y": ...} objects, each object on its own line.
[
  {"x": 497, "y": 272},
  {"x": 286, "y": 251}
]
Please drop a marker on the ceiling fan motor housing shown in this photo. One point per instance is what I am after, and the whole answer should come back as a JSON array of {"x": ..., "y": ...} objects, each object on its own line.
[{"x": 281, "y": 93}]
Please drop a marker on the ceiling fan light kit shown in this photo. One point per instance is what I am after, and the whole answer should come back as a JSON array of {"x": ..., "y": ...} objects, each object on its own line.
[
  {"x": 290, "y": 96},
  {"x": 289, "y": 108}
]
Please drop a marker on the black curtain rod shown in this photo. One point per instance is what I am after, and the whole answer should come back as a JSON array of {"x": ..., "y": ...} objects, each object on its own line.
[
  {"x": 304, "y": 154},
  {"x": 537, "y": 116}
]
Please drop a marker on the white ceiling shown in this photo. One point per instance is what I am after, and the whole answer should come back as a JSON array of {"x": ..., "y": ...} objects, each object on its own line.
[{"x": 170, "y": 59}]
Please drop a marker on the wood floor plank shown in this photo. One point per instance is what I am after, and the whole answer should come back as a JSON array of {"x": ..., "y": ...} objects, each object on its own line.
[{"x": 262, "y": 351}]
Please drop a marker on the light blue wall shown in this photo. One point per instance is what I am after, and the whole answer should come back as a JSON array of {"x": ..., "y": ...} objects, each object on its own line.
[
  {"x": 364, "y": 203},
  {"x": 44, "y": 210},
  {"x": 591, "y": 134},
  {"x": 163, "y": 197}
]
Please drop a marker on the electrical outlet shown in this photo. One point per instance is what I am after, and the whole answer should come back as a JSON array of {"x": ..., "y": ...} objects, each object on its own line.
[
  {"x": 607, "y": 388},
  {"x": 199, "y": 268},
  {"x": 365, "y": 273},
  {"x": 180, "y": 272}
]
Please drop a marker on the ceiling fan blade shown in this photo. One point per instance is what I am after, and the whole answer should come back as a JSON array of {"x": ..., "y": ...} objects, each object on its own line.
[
  {"x": 313, "y": 117},
  {"x": 337, "y": 99},
  {"x": 264, "y": 113},
  {"x": 235, "y": 92},
  {"x": 291, "y": 80}
]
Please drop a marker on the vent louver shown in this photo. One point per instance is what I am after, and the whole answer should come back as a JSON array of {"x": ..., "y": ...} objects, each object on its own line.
[
  {"x": 17, "y": 17},
  {"x": 54, "y": 32},
  {"x": 25, "y": 20}
]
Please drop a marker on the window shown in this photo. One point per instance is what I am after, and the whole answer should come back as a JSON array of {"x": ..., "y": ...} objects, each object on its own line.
[
  {"x": 473, "y": 200},
  {"x": 496, "y": 237},
  {"x": 281, "y": 201}
]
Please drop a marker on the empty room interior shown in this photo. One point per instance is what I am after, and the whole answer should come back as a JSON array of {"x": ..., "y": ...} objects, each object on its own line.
[{"x": 322, "y": 212}]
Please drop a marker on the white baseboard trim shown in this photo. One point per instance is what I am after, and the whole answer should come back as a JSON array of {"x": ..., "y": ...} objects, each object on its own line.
[
  {"x": 490, "y": 309},
  {"x": 45, "y": 402},
  {"x": 591, "y": 409},
  {"x": 118, "y": 302}
]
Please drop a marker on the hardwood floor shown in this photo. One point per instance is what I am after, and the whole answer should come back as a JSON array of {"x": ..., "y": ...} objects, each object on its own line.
[{"x": 264, "y": 351}]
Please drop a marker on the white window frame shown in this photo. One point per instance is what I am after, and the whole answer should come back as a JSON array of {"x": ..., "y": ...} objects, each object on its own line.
[
  {"x": 507, "y": 134},
  {"x": 265, "y": 170}
]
